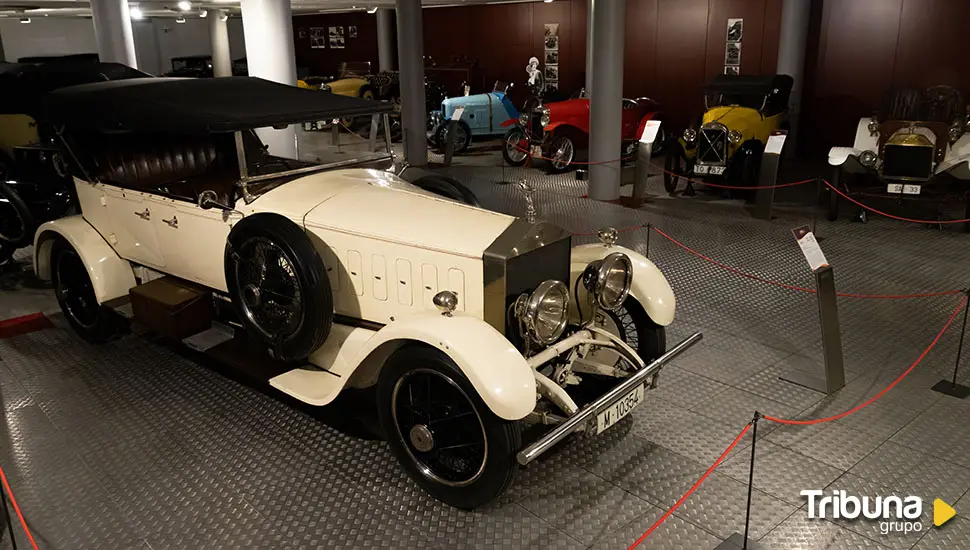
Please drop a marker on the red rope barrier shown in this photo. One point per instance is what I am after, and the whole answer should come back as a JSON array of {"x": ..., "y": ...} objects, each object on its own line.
[
  {"x": 572, "y": 162},
  {"x": 889, "y": 387},
  {"x": 737, "y": 271},
  {"x": 739, "y": 187},
  {"x": 23, "y": 522},
  {"x": 881, "y": 213},
  {"x": 693, "y": 488}
]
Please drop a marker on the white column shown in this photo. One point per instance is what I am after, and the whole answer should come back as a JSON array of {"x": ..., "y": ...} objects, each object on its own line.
[
  {"x": 268, "y": 29},
  {"x": 791, "y": 57},
  {"x": 589, "y": 45},
  {"x": 413, "y": 110},
  {"x": 112, "y": 30},
  {"x": 385, "y": 39},
  {"x": 219, "y": 37},
  {"x": 606, "y": 100}
]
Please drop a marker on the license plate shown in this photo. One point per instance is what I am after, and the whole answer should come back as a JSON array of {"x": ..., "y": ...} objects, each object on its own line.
[
  {"x": 911, "y": 189},
  {"x": 615, "y": 412},
  {"x": 717, "y": 170},
  {"x": 701, "y": 169},
  {"x": 896, "y": 188}
]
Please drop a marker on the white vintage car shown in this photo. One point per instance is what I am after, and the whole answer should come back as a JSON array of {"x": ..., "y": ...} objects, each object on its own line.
[
  {"x": 921, "y": 138},
  {"x": 471, "y": 324}
]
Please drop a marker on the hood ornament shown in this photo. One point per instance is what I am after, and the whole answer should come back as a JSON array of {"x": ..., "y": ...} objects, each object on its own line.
[
  {"x": 529, "y": 193},
  {"x": 608, "y": 236}
]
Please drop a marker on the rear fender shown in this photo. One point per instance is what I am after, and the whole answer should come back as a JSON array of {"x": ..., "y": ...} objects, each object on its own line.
[
  {"x": 498, "y": 371},
  {"x": 111, "y": 276},
  {"x": 649, "y": 287}
]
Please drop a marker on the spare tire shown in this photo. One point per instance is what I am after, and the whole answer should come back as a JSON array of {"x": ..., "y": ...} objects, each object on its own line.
[
  {"x": 279, "y": 285},
  {"x": 448, "y": 187}
]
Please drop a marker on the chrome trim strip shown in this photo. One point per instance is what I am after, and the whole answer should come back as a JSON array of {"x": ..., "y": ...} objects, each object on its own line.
[{"x": 573, "y": 423}]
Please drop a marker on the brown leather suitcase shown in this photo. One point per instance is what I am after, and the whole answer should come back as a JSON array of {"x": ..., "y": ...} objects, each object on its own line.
[{"x": 172, "y": 307}]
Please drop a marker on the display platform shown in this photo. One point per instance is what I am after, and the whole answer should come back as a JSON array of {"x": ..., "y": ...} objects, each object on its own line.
[{"x": 138, "y": 444}]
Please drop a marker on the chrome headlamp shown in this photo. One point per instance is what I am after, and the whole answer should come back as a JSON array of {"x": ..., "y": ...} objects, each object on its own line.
[
  {"x": 609, "y": 280},
  {"x": 546, "y": 118},
  {"x": 545, "y": 312},
  {"x": 868, "y": 159},
  {"x": 735, "y": 137},
  {"x": 873, "y": 127},
  {"x": 690, "y": 135},
  {"x": 324, "y": 87},
  {"x": 955, "y": 132},
  {"x": 524, "y": 119}
]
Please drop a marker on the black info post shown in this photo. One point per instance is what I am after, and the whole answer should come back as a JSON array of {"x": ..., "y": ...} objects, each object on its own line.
[
  {"x": 737, "y": 541},
  {"x": 950, "y": 387},
  {"x": 768, "y": 176}
]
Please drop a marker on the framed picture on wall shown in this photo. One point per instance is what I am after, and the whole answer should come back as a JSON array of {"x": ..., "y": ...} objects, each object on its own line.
[
  {"x": 352, "y": 31},
  {"x": 336, "y": 36},
  {"x": 301, "y": 33},
  {"x": 731, "y": 70},
  {"x": 732, "y": 54},
  {"x": 552, "y": 57},
  {"x": 318, "y": 39},
  {"x": 551, "y": 29},
  {"x": 735, "y": 30},
  {"x": 552, "y": 42},
  {"x": 552, "y": 73}
]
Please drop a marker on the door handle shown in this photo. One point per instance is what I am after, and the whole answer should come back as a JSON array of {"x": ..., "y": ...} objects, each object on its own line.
[
  {"x": 173, "y": 223},
  {"x": 146, "y": 215}
]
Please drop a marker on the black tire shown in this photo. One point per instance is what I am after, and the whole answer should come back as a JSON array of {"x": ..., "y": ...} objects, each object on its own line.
[
  {"x": 447, "y": 187},
  {"x": 510, "y": 152},
  {"x": 675, "y": 162},
  {"x": 639, "y": 331},
  {"x": 660, "y": 142},
  {"x": 75, "y": 294},
  {"x": 367, "y": 92},
  {"x": 464, "y": 480},
  {"x": 463, "y": 137},
  {"x": 297, "y": 318},
  {"x": 17, "y": 224},
  {"x": 6, "y": 253},
  {"x": 563, "y": 150}
]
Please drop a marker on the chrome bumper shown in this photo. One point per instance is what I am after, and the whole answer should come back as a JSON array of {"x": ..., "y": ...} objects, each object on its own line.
[{"x": 575, "y": 421}]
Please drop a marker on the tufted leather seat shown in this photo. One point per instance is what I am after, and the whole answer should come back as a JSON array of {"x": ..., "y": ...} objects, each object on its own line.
[{"x": 151, "y": 165}]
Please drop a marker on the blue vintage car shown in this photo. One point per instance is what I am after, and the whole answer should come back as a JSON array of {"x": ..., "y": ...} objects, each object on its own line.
[{"x": 485, "y": 116}]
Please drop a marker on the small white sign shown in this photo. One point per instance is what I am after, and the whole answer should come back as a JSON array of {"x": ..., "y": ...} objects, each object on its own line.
[
  {"x": 896, "y": 188},
  {"x": 810, "y": 248},
  {"x": 911, "y": 189},
  {"x": 650, "y": 131},
  {"x": 456, "y": 116},
  {"x": 776, "y": 143}
]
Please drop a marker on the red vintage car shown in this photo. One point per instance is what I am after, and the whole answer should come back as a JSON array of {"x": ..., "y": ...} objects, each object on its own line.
[{"x": 559, "y": 131}]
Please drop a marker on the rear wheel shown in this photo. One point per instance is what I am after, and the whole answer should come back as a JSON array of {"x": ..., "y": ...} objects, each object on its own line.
[
  {"x": 440, "y": 430},
  {"x": 675, "y": 166},
  {"x": 75, "y": 294},
  {"x": 516, "y": 149}
]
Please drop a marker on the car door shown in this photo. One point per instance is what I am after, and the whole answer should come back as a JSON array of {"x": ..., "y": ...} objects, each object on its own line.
[
  {"x": 193, "y": 240},
  {"x": 130, "y": 217}
]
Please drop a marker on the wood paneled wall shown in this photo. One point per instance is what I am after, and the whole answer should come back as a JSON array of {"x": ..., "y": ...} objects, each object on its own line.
[{"x": 326, "y": 61}]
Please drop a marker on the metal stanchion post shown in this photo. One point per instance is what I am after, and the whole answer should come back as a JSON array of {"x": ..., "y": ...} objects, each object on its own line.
[
  {"x": 6, "y": 514},
  {"x": 736, "y": 540},
  {"x": 335, "y": 133},
  {"x": 770, "y": 160},
  {"x": 373, "y": 133},
  {"x": 649, "y": 231},
  {"x": 450, "y": 141},
  {"x": 950, "y": 387}
]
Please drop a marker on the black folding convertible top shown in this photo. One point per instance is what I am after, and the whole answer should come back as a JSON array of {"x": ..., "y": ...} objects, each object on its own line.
[
  {"x": 749, "y": 84},
  {"x": 22, "y": 85},
  {"x": 197, "y": 106}
]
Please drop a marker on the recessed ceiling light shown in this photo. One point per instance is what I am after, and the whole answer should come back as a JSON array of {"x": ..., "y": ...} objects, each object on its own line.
[
  {"x": 25, "y": 20},
  {"x": 136, "y": 13},
  {"x": 180, "y": 19},
  {"x": 203, "y": 14},
  {"x": 185, "y": 5},
  {"x": 372, "y": 10}
]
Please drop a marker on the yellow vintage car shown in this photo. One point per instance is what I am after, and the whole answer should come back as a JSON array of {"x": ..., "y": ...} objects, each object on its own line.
[
  {"x": 741, "y": 112},
  {"x": 353, "y": 80}
]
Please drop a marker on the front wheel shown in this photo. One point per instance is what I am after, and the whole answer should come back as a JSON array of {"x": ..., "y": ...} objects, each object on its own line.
[
  {"x": 675, "y": 166},
  {"x": 75, "y": 294},
  {"x": 516, "y": 149},
  {"x": 440, "y": 430},
  {"x": 562, "y": 152}
]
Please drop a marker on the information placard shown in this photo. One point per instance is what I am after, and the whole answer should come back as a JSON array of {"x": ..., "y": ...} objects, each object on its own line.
[{"x": 810, "y": 247}]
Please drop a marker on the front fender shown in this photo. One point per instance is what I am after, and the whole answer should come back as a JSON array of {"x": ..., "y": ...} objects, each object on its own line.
[
  {"x": 111, "y": 276},
  {"x": 649, "y": 287},
  {"x": 838, "y": 155},
  {"x": 491, "y": 363}
]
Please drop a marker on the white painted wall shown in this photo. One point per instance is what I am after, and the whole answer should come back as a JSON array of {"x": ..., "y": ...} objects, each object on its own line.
[{"x": 156, "y": 41}]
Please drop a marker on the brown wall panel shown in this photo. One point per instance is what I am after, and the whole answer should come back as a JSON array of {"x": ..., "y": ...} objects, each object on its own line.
[
  {"x": 681, "y": 58},
  {"x": 326, "y": 61},
  {"x": 932, "y": 44},
  {"x": 640, "y": 49}
]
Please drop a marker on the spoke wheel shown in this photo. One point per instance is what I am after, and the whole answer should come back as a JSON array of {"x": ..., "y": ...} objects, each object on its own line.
[
  {"x": 563, "y": 151},
  {"x": 271, "y": 297},
  {"x": 516, "y": 147},
  {"x": 675, "y": 166},
  {"x": 440, "y": 428},
  {"x": 632, "y": 324}
]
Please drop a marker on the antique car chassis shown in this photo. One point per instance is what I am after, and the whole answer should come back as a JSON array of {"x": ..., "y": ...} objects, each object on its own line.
[{"x": 458, "y": 363}]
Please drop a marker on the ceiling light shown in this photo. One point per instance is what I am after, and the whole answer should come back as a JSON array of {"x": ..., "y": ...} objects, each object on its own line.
[
  {"x": 203, "y": 13},
  {"x": 547, "y": 1},
  {"x": 224, "y": 17},
  {"x": 25, "y": 20},
  {"x": 136, "y": 13},
  {"x": 372, "y": 10},
  {"x": 180, "y": 19},
  {"x": 185, "y": 5}
]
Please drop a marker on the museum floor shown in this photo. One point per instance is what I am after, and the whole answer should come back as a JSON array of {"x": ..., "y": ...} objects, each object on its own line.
[{"x": 139, "y": 444}]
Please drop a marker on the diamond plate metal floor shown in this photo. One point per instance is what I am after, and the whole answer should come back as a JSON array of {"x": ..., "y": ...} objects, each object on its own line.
[{"x": 137, "y": 445}]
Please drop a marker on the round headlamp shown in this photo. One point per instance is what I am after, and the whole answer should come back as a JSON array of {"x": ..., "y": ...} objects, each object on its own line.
[
  {"x": 546, "y": 311},
  {"x": 524, "y": 119},
  {"x": 868, "y": 159},
  {"x": 955, "y": 132},
  {"x": 690, "y": 135},
  {"x": 735, "y": 137},
  {"x": 609, "y": 280},
  {"x": 873, "y": 127},
  {"x": 546, "y": 118}
]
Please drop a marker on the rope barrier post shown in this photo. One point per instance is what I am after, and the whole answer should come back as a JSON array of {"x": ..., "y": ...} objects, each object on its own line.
[
  {"x": 736, "y": 540},
  {"x": 815, "y": 206},
  {"x": 768, "y": 177},
  {"x": 450, "y": 131},
  {"x": 6, "y": 513},
  {"x": 950, "y": 387},
  {"x": 373, "y": 133},
  {"x": 649, "y": 231},
  {"x": 335, "y": 133},
  {"x": 828, "y": 317}
]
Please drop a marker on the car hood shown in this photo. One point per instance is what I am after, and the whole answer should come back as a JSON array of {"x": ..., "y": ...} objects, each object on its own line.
[
  {"x": 477, "y": 99},
  {"x": 347, "y": 86},
  {"x": 379, "y": 205},
  {"x": 735, "y": 118}
]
